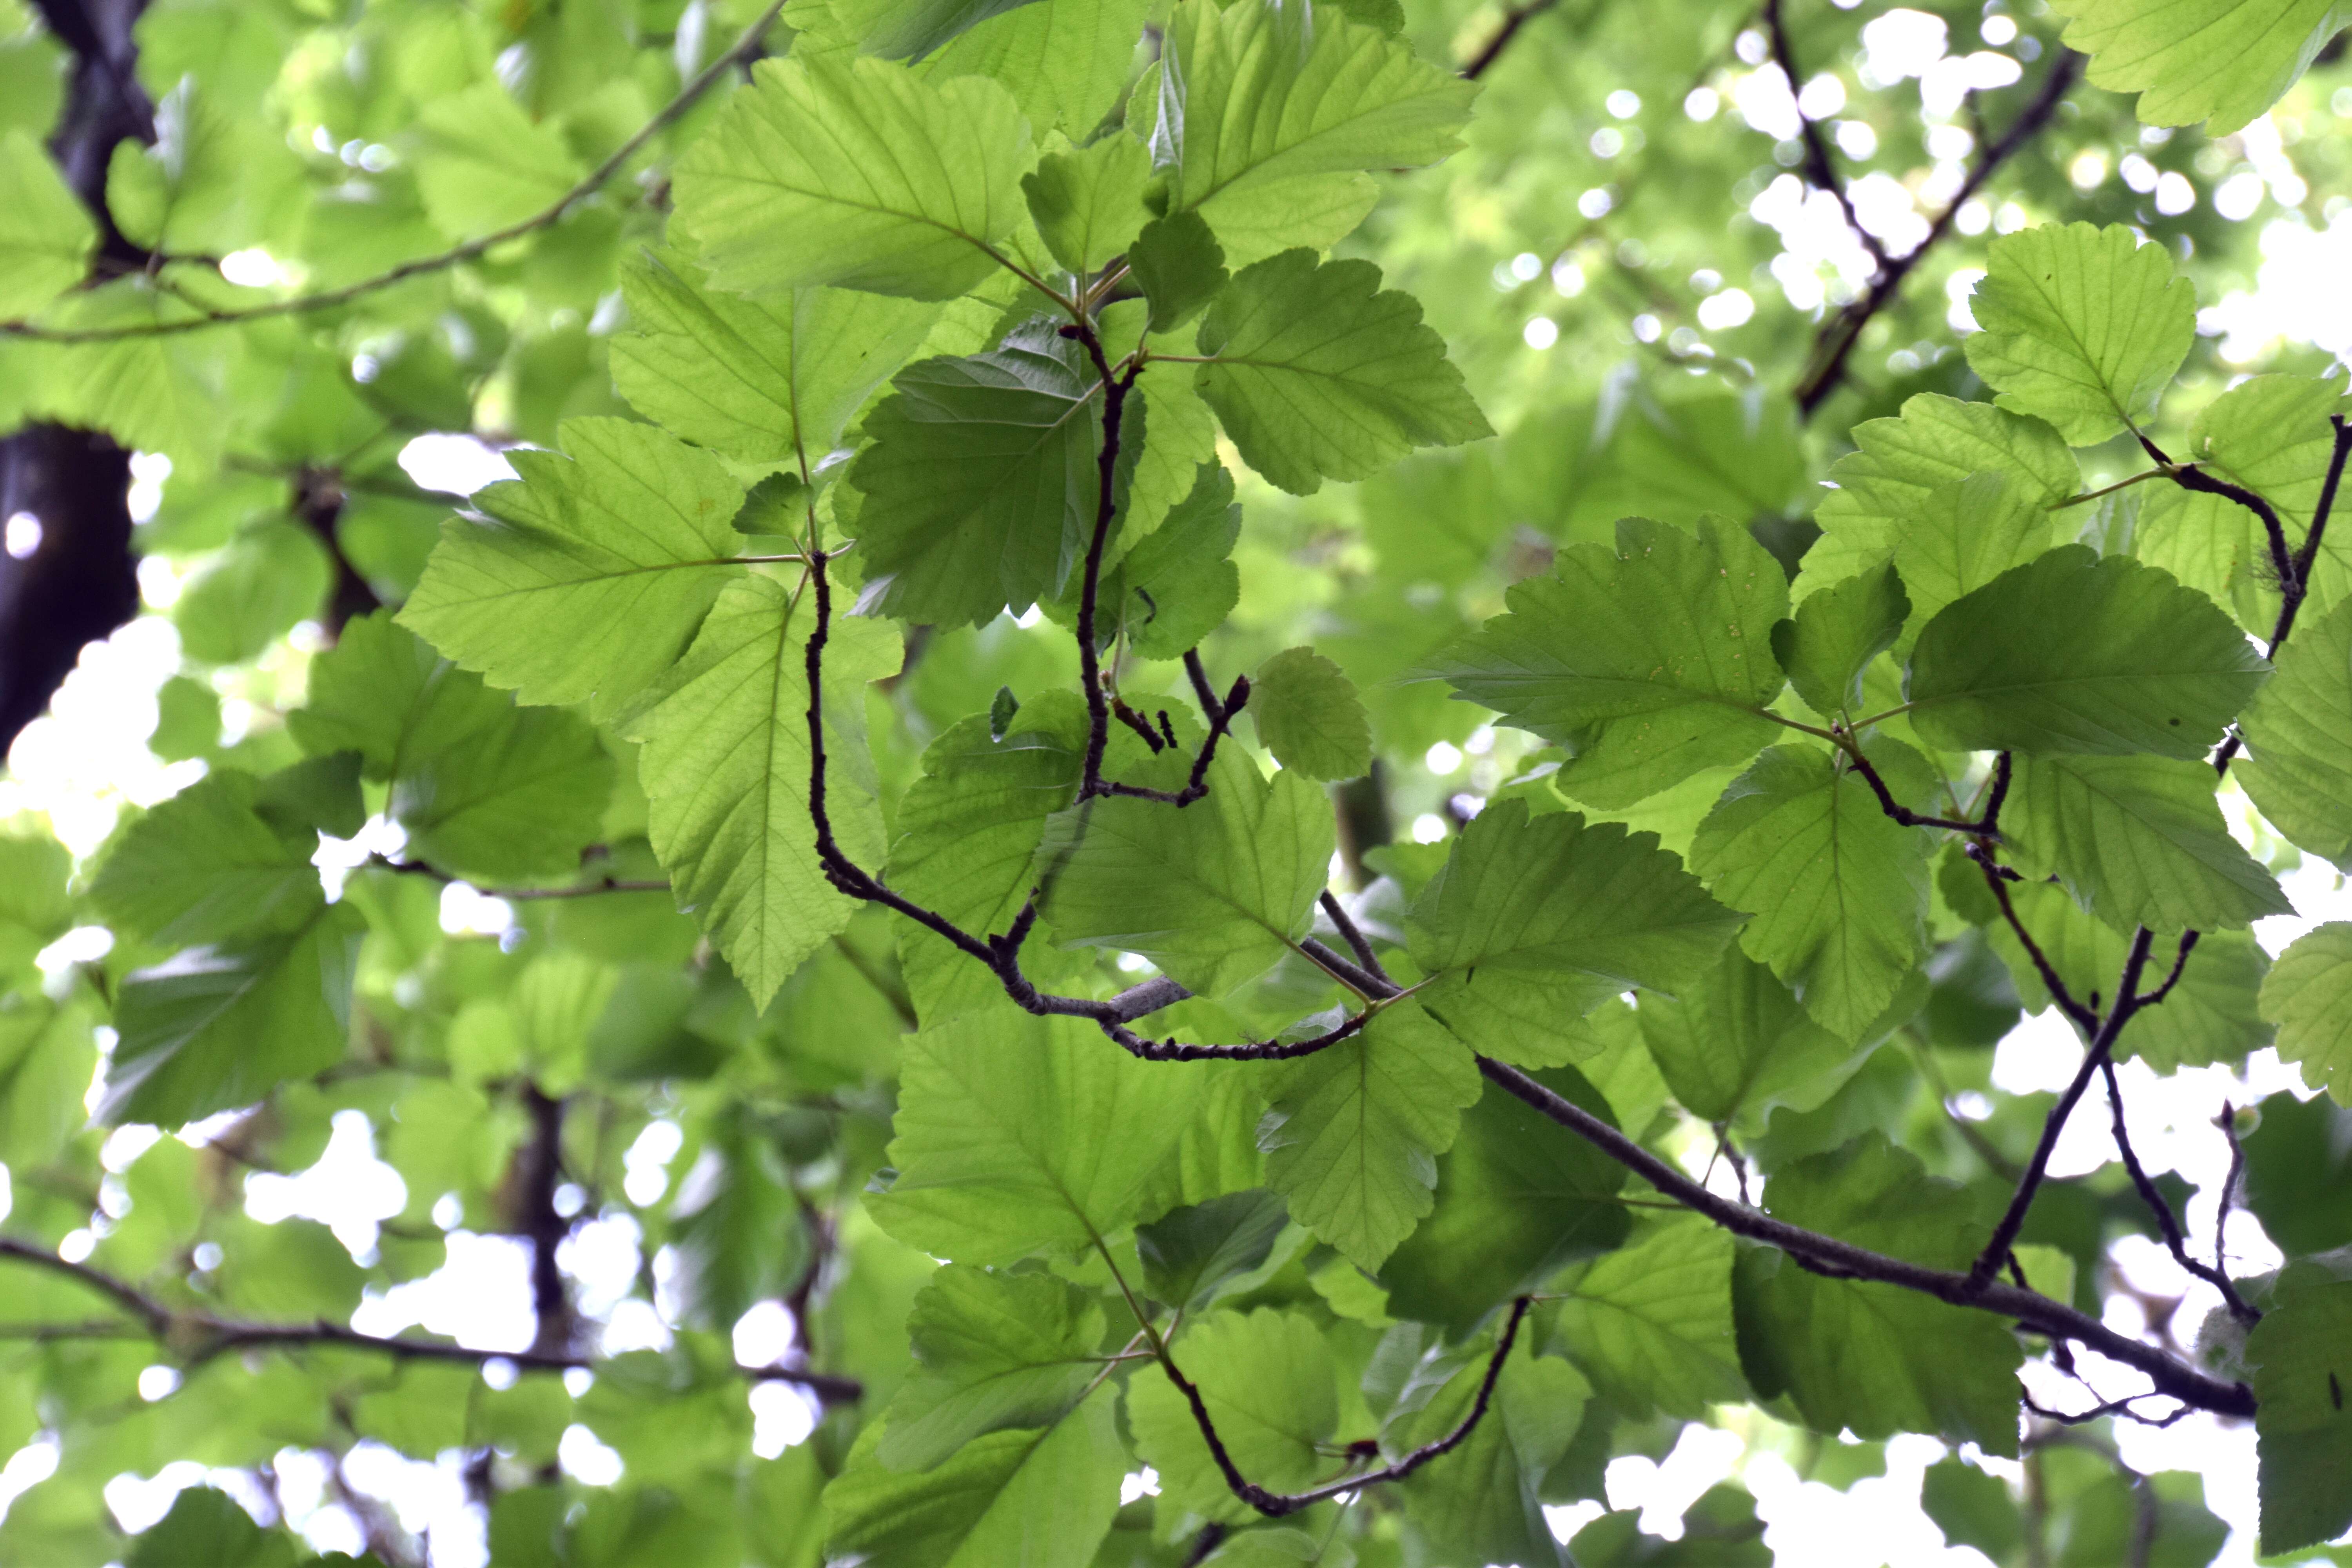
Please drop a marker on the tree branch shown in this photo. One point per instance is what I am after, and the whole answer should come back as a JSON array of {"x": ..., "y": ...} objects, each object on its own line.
[
  {"x": 1354, "y": 937},
  {"x": 2167, "y": 1222},
  {"x": 213, "y": 1336},
  {"x": 1819, "y": 171},
  {"x": 744, "y": 48},
  {"x": 1835, "y": 345},
  {"x": 1517, "y": 17},
  {"x": 2034, "y": 1311},
  {"x": 1278, "y": 1505}
]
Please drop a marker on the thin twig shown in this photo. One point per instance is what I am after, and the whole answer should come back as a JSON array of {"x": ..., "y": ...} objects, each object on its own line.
[
  {"x": 2036, "y": 1312},
  {"x": 1278, "y": 1505},
  {"x": 2167, "y": 1224},
  {"x": 1838, "y": 339},
  {"x": 213, "y": 1336},
  {"x": 518, "y": 895},
  {"x": 329, "y": 300},
  {"x": 1353, "y": 936}
]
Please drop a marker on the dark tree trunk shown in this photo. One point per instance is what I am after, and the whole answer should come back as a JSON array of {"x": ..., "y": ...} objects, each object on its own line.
[{"x": 82, "y": 582}]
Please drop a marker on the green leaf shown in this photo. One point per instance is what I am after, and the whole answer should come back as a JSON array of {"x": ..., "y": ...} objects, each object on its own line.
[
  {"x": 1177, "y": 584},
  {"x": 993, "y": 1352},
  {"x": 855, "y": 173},
  {"x": 206, "y": 865},
  {"x": 594, "y": 570},
  {"x": 1308, "y": 715},
  {"x": 736, "y": 1229},
  {"x": 2299, "y": 1173},
  {"x": 2137, "y": 840},
  {"x": 968, "y": 834},
  {"x": 2308, "y": 994},
  {"x": 765, "y": 380},
  {"x": 482, "y": 787},
  {"x": 46, "y": 236},
  {"x": 1196, "y": 1252},
  {"x": 981, "y": 487},
  {"x": 1088, "y": 203},
  {"x": 206, "y": 1528},
  {"x": 725, "y": 769},
  {"x": 1214, "y": 894},
  {"x": 1483, "y": 1501},
  {"x": 1874, "y": 1358},
  {"x": 485, "y": 164},
  {"x": 1318, "y": 374},
  {"x": 1834, "y": 635},
  {"x": 2298, "y": 765},
  {"x": 1263, "y": 117},
  {"x": 2084, "y": 327},
  {"x": 2301, "y": 1356},
  {"x": 1018, "y": 1134},
  {"x": 2074, "y": 653},
  {"x": 1353, "y": 1133},
  {"x": 270, "y": 578},
  {"x": 1839, "y": 891},
  {"x": 1650, "y": 1322},
  {"x": 1532, "y": 924},
  {"x": 1971, "y": 1508},
  {"x": 1011, "y": 1499},
  {"x": 1650, "y": 662},
  {"x": 1962, "y": 536},
  {"x": 2220, "y": 61},
  {"x": 1515, "y": 1203},
  {"x": 217, "y": 1027},
  {"x": 909, "y": 29},
  {"x": 1180, "y": 267},
  {"x": 1737, "y": 1042},
  {"x": 1272, "y": 1394},
  {"x": 1883, "y": 485},
  {"x": 47, "y": 1059}
]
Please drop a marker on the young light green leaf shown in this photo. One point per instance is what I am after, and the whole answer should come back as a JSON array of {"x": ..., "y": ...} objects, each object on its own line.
[
  {"x": 771, "y": 380},
  {"x": 1215, "y": 894},
  {"x": 1353, "y": 1136},
  {"x": 1650, "y": 662},
  {"x": 1650, "y": 1322},
  {"x": 1018, "y": 1134},
  {"x": 1068, "y": 63},
  {"x": 2084, "y": 327},
  {"x": 216, "y": 1026},
  {"x": 2137, "y": 840},
  {"x": 1870, "y": 1357},
  {"x": 1180, "y": 267},
  {"x": 2220, "y": 61},
  {"x": 482, "y": 163},
  {"x": 206, "y": 866},
  {"x": 1884, "y": 483},
  {"x": 968, "y": 832},
  {"x": 482, "y": 787},
  {"x": 2074, "y": 653},
  {"x": 1272, "y": 1391},
  {"x": 1513, "y": 1208},
  {"x": 850, "y": 171},
  {"x": 980, "y": 489},
  {"x": 1839, "y": 891},
  {"x": 2308, "y": 994},
  {"x": 594, "y": 570},
  {"x": 1317, "y": 372},
  {"x": 1737, "y": 1042},
  {"x": 1088, "y": 202},
  {"x": 1308, "y": 715},
  {"x": 725, "y": 769},
  {"x": 2301, "y": 1423},
  {"x": 1964, "y": 535},
  {"x": 2298, "y": 764},
  {"x": 909, "y": 29},
  {"x": 993, "y": 1352},
  {"x": 1834, "y": 635},
  {"x": 1192, "y": 1254},
  {"x": 1265, "y": 116},
  {"x": 1534, "y": 922},
  {"x": 46, "y": 236},
  {"x": 1011, "y": 1499}
]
